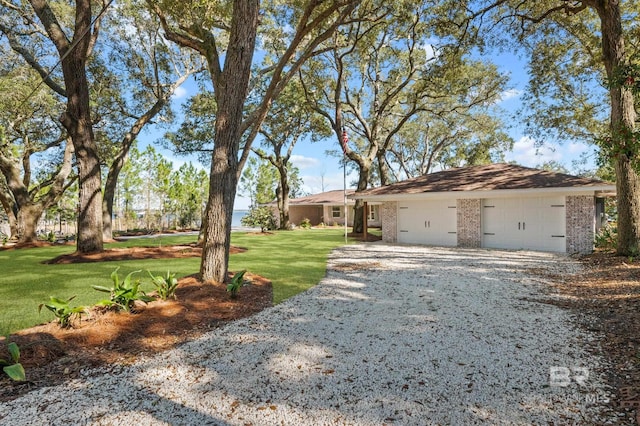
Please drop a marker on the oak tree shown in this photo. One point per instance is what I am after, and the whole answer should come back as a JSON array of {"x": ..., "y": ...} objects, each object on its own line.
[{"x": 225, "y": 34}]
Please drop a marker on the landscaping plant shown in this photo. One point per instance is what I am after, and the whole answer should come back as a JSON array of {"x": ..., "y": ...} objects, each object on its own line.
[
  {"x": 235, "y": 284},
  {"x": 124, "y": 293},
  {"x": 62, "y": 310},
  {"x": 607, "y": 238},
  {"x": 305, "y": 223},
  {"x": 165, "y": 286},
  {"x": 260, "y": 217},
  {"x": 12, "y": 367}
]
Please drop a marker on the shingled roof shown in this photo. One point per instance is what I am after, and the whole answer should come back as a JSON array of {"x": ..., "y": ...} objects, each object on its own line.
[
  {"x": 487, "y": 178},
  {"x": 330, "y": 198}
]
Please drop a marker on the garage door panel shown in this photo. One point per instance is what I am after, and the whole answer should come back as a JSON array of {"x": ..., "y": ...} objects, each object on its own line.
[
  {"x": 535, "y": 223},
  {"x": 427, "y": 222}
]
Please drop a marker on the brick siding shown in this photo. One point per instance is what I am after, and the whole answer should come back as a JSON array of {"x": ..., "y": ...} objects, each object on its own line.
[
  {"x": 469, "y": 212},
  {"x": 580, "y": 216},
  {"x": 389, "y": 218}
]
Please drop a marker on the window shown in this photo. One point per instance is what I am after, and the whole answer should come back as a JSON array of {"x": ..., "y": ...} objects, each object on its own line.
[
  {"x": 336, "y": 211},
  {"x": 373, "y": 212}
]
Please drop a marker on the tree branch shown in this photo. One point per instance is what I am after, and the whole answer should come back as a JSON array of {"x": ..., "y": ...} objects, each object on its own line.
[{"x": 31, "y": 60}]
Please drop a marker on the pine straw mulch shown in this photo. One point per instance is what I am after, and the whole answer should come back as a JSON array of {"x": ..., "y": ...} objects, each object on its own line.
[
  {"x": 137, "y": 253},
  {"x": 52, "y": 355},
  {"x": 605, "y": 298}
]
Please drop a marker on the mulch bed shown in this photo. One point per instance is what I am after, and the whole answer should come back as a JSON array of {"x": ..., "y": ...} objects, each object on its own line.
[
  {"x": 605, "y": 296},
  {"x": 52, "y": 355},
  {"x": 166, "y": 252}
]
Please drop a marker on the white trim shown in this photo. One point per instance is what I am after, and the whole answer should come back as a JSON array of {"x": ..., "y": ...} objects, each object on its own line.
[{"x": 532, "y": 192}]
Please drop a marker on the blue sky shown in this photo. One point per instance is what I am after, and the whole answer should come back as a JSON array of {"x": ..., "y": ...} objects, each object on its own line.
[{"x": 319, "y": 170}]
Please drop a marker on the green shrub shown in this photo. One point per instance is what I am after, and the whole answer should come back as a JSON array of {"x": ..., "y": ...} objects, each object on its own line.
[
  {"x": 12, "y": 367},
  {"x": 62, "y": 310},
  {"x": 236, "y": 282},
  {"x": 607, "y": 238},
  {"x": 165, "y": 286},
  {"x": 260, "y": 217},
  {"x": 124, "y": 293},
  {"x": 305, "y": 223}
]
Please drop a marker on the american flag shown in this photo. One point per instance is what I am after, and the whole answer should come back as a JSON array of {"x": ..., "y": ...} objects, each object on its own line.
[{"x": 344, "y": 141}]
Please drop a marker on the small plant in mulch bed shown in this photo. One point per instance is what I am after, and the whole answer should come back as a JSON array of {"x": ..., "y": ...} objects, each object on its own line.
[
  {"x": 124, "y": 293},
  {"x": 62, "y": 310},
  {"x": 607, "y": 238},
  {"x": 305, "y": 223},
  {"x": 12, "y": 366},
  {"x": 165, "y": 286},
  {"x": 236, "y": 282}
]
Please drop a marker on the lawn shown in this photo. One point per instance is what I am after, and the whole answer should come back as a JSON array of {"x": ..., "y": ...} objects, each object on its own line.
[{"x": 294, "y": 261}]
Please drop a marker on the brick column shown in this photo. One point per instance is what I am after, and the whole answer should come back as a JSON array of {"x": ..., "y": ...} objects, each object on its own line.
[
  {"x": 580, "y": 216},
  {"x": 469, "y": 212},
  {"x": 389, "y": 221}
]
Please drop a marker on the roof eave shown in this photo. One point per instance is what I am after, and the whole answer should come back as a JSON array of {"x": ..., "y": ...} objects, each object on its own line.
[{"x": 600, "y": 190}]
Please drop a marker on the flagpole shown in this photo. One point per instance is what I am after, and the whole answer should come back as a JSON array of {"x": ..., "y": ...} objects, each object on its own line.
[
  {"x": 344, "y": 181},
  {"x": 346, "y": 211}
]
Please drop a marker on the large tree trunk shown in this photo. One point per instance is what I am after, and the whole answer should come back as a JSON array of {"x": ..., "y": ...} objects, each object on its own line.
[
  {"x": 363, "y": 180},
  {"x": 28, "y": 217},
  {"x": 283, "y": 198},
  {"x": 13, "y": 226},
  {"x": 107, "y": 207},
  {"x": 622, "y": 127},
  {"x": 10, "y": 209},
  {"x": 77, "y": 117},
  {"x": 22, "y": 208},
  {"x": 219, "y": 211},
  {"x": 111, "y": 184},
  {"x": 230, "y": 91},
  {"x": 78, "y": 122},
  {"x": 628, "y": 202},
  {"x": 385, "y": 173}
]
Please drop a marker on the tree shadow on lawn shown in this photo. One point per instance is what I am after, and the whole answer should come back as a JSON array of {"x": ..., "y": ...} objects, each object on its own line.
[{"x": 52, "y": 355}]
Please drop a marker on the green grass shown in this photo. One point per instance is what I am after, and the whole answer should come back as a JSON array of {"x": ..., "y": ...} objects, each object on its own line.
[{"x": 293, "y": 260}]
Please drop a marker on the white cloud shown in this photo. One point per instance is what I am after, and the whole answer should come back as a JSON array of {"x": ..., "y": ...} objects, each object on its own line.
[
  {"x": 510, "y": 94},
  {"x": 526, "y": 153},
  {"x": 242, "y": 203},
  {"x": 180, "y": 93},
  {"x": 314, "y": 184},
  {"x": 302, "y": 162},
  {"x": 577, "y": 147}
]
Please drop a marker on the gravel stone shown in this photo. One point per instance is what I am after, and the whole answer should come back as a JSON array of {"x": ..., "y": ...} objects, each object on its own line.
[{"x": 392, "y": 335}]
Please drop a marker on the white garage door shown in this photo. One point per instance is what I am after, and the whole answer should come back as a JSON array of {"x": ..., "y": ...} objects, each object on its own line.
[
  {"x": 536, "y": 223},
  {"x": 427, "y": 222}
]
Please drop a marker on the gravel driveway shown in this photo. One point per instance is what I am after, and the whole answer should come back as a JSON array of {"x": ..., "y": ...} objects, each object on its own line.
[{"x": 393, "y": 335}]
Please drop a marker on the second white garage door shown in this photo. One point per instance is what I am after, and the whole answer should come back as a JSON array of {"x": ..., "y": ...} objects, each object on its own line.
[
  {"x": 536, "y": 223},
  {"x": 431, "y": 222}
]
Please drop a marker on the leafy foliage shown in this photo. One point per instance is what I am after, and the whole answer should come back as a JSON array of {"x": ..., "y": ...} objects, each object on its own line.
[
  {"x": 165, "y": 286},
  {"x": 258, "y": 181},
  {"x": 607, "y": 238},
  {"x": 124, "y": 293},
  {"x": 236, "y": 282},
  {"x": 62, "y": 310},
  {"x": 260, "y": 217},
  {"x": 12, "y": 367},
  {"x": 305, "y": 223}
]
